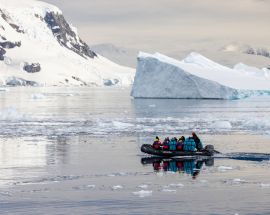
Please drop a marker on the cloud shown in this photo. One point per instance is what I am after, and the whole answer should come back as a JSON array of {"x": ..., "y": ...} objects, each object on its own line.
[{"x": 161, "y": 23}]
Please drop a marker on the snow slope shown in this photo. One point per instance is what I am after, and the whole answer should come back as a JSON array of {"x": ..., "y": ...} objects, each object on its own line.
[
  {"x": 159, "y": 76},
  {"x": 120, "y": 55},
  {"x": 38, "y": 47}
]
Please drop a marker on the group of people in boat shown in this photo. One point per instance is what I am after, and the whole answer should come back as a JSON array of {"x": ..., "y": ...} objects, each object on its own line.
[{"x": 192, "y": 143}]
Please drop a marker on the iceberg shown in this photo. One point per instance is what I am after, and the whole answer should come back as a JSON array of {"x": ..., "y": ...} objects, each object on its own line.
[{"x": 195, "y": 77}]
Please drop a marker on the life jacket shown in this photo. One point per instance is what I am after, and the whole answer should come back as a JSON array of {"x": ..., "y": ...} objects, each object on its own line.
[
  {"x": 179, "y": 146},
  {"x": 173, "y": 143},
  {"x": 166, "y": 144},
  {"x": 189, "y": 144},
  {"x": 166, "y": 147},
  {"x": 156, "y": 144}
]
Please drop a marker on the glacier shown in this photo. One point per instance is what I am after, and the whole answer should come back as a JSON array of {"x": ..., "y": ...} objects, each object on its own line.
[
  {"x": 39, "y": 48},
  {"x": 195, "y": 77}
]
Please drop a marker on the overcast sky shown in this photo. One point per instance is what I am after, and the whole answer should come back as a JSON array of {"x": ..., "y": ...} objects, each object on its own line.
[{"x": 162, "y": 24}]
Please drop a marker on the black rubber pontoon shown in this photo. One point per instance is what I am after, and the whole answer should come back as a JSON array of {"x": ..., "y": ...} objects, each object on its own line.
[{"x": 148, "y": 149}]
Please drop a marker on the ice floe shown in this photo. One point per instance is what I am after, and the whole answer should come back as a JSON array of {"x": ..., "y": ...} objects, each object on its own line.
[
  {"x": 224, "y": 168},
  {"x": 117, "y": 187},
  {"x": 143, "y": 193}
]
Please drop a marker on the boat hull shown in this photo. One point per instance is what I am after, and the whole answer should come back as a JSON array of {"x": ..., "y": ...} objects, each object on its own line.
[{"x": 148, "y": 149}]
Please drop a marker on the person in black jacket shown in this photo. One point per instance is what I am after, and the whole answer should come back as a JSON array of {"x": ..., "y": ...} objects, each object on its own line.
[{"x": 197, "y": 140}]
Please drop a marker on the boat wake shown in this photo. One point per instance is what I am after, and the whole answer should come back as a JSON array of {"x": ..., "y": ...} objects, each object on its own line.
[{"x": 246, "y": 156}]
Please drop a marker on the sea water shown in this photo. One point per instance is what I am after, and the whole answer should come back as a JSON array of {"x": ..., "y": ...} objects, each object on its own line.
[{"x": 77, "y": 151}]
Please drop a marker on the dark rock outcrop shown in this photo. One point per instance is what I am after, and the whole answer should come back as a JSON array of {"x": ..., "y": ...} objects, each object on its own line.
[
  {"x": 3, "y": 38},
  {"x": 10, "y": 45},
  {"x": 13, "y": 81},
  {"x": 66, "y": 36},
  {"x": 7, "y": 18},
  {"x": 2, "y": 53},
  {"x": 259, "y": 51},
  {"x": 7, "y": 45},
  {"x": 109, "y": 82},
  {"x": 80, "y": 80},
  {"x": 32, "y": 68}
]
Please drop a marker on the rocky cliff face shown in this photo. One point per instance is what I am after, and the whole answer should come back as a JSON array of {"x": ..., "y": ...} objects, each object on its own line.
[
  {"x": 66, "y": 36},
  {"x": 60, "y": 29}
]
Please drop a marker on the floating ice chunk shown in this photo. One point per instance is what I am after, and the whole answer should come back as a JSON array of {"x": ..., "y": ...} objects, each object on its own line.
[
  {"x": 4, "y": 89},
  {"x": 37, "y": 96},
  {"x": 84, "y": 187},
  {"x": 143, "y": 193},
  {"x": 122, "y": 173},
  {"x": 199, "y": 77},
  {"x": 160, "y": 174},
  {"x": 249, "y": 70},
  {"x": 143, "y": 186},
  {"x": 5, "y": 193},
  {"x": 70, "y": 94},
  {"x": 168, "y": 190},
  {"x": 224, "y": 168},
  {"x": 222, "y": 125},
  {"x": 121, "y": 124},
  {"x": 170, "y": 173},
  {"x": 91, "y": 186},
  {"x": 238, "y": 181},
  {"x": 176, "y": 185},
  {"x": 265, "y": 185},
  {"x": 111, "y": 175},
  {"x": 235, "y": 181},
  {"x": 117, "y": 187},
  {"x": 11, "y": 113}
]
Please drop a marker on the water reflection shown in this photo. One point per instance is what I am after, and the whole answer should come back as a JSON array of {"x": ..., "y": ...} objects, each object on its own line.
[
  {"x": 190, "y": 166},
  {"x": 177, "y": 107},
  {"x": 26, "y": 158},
  {"x": 59, "y": 152}
]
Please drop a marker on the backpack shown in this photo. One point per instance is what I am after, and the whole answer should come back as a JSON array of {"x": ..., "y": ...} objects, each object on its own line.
[
  {"x": 189, "y": 144},
  {"x": 172, "y": 143}
]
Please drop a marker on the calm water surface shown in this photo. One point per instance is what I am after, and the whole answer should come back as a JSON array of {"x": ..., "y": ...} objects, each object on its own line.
[{"x": 77, "y": 151}]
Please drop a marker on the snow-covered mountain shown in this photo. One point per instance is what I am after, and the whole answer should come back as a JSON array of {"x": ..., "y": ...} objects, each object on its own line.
[
  {"x": 159, "y": 76},
  {"x": 39, "y": 47},
  {"x": 247, "y": 49},
  {"x": 121, "y": 55}
]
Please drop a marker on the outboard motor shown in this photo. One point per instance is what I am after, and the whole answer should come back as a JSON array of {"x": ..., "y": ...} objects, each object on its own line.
[{"x": 210, "y": 149}]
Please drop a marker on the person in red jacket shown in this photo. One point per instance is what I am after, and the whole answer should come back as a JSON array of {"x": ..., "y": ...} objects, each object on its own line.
[{"x": 157, "y": 144}]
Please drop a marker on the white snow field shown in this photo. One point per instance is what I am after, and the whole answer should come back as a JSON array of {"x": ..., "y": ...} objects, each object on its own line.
[
  {"x": 196, "y": 77},
  {"x": 38, "y": 47}
]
